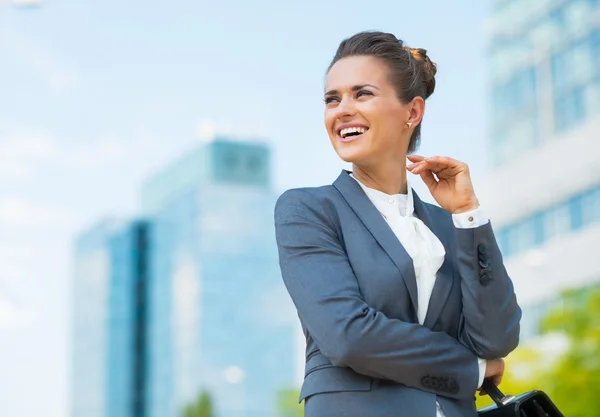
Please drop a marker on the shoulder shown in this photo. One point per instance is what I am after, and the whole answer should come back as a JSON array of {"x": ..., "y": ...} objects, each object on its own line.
[{"x": 306, "y": 201}]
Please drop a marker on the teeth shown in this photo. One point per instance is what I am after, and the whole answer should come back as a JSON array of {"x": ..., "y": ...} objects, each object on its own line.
[{"x": 348, "y": 130}]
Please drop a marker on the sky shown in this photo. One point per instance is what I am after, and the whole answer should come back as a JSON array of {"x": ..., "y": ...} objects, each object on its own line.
[{"x": 96, "y": 96}]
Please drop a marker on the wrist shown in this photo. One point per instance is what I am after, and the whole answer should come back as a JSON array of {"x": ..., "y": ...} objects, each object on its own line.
[{"x": 473, "y": 204}]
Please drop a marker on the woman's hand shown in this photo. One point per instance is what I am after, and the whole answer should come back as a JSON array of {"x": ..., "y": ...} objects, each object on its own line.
[
  {"x": 453, "y": 189},
  {"x": 494, "y": 371}
]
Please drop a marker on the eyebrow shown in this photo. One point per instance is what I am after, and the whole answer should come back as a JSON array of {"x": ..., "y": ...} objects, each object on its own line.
[{"x": 355, "y": 88}]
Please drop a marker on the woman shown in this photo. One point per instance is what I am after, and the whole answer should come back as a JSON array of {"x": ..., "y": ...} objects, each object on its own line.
[{"x": 406, "y": 306}]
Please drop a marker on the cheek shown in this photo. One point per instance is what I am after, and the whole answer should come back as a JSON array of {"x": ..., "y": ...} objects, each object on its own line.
[
  {"x": 329, "y": 120},
  {"x": 387, "y": 118}
]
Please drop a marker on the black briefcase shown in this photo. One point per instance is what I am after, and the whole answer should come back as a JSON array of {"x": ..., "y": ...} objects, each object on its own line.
[{"x": 530, "y": 404}]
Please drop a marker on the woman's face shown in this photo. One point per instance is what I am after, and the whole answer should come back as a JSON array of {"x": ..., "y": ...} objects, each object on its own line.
[{"x": 364, "y": 118}]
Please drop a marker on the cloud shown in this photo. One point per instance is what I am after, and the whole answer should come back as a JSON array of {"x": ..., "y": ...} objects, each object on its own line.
[
  {"x": 26, "y": 2},
  {"x": 93, "y": 154},
  {"x": 28, "y": 152},
  {"x": 15, "y": 259},
  {"x": 21, "y": 152},
  {"x": 13, "y": 316},
  {"x": 18, "y": 212},
  {"x": 29, "y": 52}
]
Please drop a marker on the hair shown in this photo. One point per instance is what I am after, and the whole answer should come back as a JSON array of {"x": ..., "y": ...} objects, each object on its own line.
[{"x": 412, "y": 73}]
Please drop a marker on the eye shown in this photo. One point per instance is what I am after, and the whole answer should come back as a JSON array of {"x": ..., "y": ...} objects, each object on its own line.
[
  {"x": 330, "y": 99},
  {"x": 364, "y": 93}
]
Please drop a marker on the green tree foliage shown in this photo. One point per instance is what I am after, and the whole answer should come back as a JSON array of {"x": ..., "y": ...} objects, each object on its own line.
[
  {"x": 287, "y": 404},
  {"x": 202, "y": 407},
  {"x": 574, "y": 383},
  {"x": 572, "y": 378}
]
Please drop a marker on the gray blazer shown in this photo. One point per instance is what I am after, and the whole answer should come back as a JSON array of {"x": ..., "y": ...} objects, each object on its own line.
[{"x": 354, "y": 287}]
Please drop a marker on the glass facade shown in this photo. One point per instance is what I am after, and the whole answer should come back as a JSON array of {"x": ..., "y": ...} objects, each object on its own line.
[
  {"x": 108, "y": 326},
  {"x": 218, "y": 319},
  {"x": 545, "y": 71},
  {"x": 545, "y": 82},
  {"x": 545, "y": 77},
  {"x": 566, "y": 216}
]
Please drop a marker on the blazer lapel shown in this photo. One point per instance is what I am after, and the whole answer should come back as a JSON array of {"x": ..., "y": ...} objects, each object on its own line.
[
  {"x": 381, "y": 231},
  {"x": 445, "y": 275}
]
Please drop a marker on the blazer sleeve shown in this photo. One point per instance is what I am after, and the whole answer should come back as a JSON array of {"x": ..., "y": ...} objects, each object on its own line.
[
  {"x": 491, "y": 316},
  {"x": 322, "y": 285}
]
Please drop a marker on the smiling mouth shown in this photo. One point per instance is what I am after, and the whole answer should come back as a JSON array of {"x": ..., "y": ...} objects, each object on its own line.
[{"x": 351, "y": 133}]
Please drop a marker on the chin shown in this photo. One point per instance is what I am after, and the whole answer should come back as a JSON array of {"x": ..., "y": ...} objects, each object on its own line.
[{"x": 350, "y": 155}]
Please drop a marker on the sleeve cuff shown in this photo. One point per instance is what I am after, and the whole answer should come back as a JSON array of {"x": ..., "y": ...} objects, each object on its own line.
[
  {"x": 470, "y": 219},
  {"x": 482, "y": 368}
]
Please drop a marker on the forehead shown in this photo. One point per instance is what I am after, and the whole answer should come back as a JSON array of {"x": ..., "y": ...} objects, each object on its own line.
[{"x": 356, "y": 70}]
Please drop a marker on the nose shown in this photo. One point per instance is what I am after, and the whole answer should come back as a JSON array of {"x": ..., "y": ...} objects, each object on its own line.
[{"x": 345, "y": 108}]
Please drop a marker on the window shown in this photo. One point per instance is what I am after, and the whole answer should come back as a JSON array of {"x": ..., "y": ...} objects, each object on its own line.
[
  {"x": 525, "y": 234},
  {"x": 539, "y": 235},
  {"x": 590, "y": 207},
  {"x": 516, "y": 94},
  {"x": 591, "y": 97},
  {"x": 575, "y": 213},
  {"x": 576, "y": 12},
  {"x": 559, "y": 67},
  {"x": 556, "y": 221},
  {"x": 569, "y": 109},
  {"x": 231, "y": 161}
]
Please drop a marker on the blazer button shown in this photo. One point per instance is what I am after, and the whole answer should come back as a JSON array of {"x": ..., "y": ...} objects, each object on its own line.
[
  {"x": 484, "y": 262},
  {"x": 482, "y": 249},
  {"x": 484, "y": 277},
  {"x": 453, "y": 387}
]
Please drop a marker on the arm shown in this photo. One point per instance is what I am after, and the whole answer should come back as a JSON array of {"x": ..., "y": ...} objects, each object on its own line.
[
  {"x": 322, "y": 285},
  {"x": 491, "y": 315}
]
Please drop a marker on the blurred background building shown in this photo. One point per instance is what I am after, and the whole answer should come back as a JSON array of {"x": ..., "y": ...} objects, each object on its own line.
[
  {"x": 543, "y": 192},
  {"x": 218, "y": 318},
  {"x": 109, "y": 325}
]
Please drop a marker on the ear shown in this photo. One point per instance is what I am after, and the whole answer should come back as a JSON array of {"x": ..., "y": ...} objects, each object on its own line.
[{"x": 416, "y": 109}]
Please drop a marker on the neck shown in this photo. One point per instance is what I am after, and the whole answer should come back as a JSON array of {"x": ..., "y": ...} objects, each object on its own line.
[{"x": 389, "y": 179}]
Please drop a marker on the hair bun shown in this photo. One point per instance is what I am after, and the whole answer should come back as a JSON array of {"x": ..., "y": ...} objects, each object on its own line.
[{"x": 429, "y": 67}]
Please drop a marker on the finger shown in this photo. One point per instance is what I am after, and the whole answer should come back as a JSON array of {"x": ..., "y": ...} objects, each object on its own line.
[
  {"x": 417, "y": 167},
  {"x": 445, "y": 171},
  {"x": 424, "y": 167},
  {"x": 441, "y": 163},
  {"x": 427, "y": 164},
  {"x": 428, "y": 179},
  {"x": 444, "y": 160},
  {"x": 415, "y": 158}
]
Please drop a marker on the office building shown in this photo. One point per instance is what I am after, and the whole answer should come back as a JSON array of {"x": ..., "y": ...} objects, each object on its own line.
[
  {"x": 543, "y": 193},
  {"x": 108, "y": 333},
  {"x": 220, "y": 320}
]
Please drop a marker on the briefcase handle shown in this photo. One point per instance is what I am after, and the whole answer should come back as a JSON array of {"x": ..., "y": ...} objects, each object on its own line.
[{"x": 495, "y": 394}]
